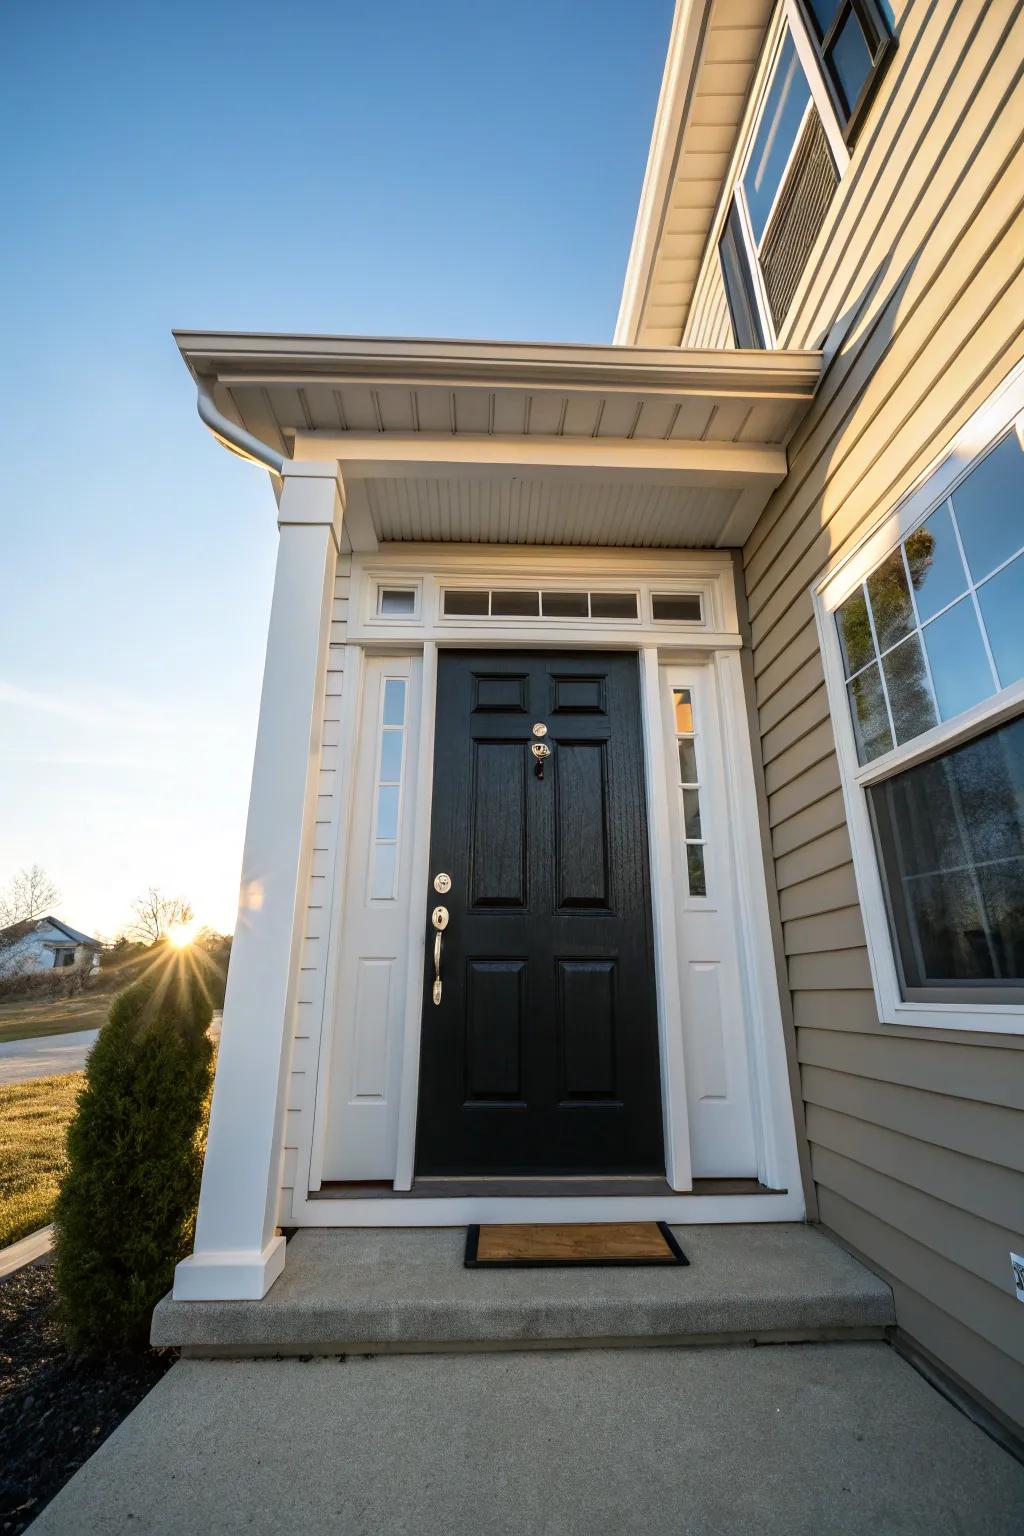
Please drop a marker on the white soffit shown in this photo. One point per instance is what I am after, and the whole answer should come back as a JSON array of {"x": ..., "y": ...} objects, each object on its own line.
[
  {"x": 713, "y": 51},
  {"x": 507, "y": 442}
]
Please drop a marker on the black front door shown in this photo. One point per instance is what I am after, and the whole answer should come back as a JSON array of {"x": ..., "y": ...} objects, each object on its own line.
[{"x": 542, "y": 1054}]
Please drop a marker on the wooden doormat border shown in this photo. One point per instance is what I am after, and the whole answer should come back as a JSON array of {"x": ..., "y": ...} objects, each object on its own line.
[{"x": 673, "y": 1254}]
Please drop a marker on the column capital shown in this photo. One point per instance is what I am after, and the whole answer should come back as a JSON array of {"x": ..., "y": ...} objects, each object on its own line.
[{"x": 312, "y": 494}]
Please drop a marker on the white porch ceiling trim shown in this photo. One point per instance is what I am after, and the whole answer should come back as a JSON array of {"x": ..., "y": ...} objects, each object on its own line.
[{"x": 683, "y": 447}]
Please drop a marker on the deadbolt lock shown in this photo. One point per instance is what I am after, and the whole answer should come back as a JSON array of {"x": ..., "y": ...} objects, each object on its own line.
[
  {"x": 540, "y": 729},
  {"x": 442, "y": 883}
]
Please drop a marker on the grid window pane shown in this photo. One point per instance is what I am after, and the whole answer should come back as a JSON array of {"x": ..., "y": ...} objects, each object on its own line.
[
  {"x": 1002, "y": 609},
  {"x": 776, "y": 135},
  {"x": 391, "y": 757},
  {"x": 394, "y": 701},
  {"x": 683, "y": 606},
  {"x": 870, "y": 720},
  {"x": 387, "y": 810},
  {"x": 936, "y": 569},
  {"x": 466, "y": 603},
  {"x": 683, "y": 706},
  {"x": 956, "y": 654},
  {"x": 824, "y": 13},
  {"x": 613, "y": 605},
  {"x": 515, "y": 605},
  {"x": 849, "y": 60},
  {"x": 950, "y": 835},
  {"x": 382, "y": 881},
  {"x": 691, "y": 812},
  {"x": 890, "y": 601},
  {"x": 395, "y": 601},
  {"x": 565, "y": 605},
  {"x": 687, "y": 761},
  {"x": 989, "y": 507},
  {"x": 910, "y": 698},
  {"x": 695, "y": 873},
  {"x": 854, "y": 627}
]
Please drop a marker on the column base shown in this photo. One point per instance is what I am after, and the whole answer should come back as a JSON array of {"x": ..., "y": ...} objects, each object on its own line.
[{"x": 236, "y": 1274}]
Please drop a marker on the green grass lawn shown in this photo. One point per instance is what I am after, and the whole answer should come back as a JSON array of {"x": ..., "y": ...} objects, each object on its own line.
[
  {"x": 34, "y": 1118},
  {"x": 54, "y": 1016}
]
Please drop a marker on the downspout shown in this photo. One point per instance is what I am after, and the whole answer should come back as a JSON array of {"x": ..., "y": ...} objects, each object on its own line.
[{"x": 236, "y": 439}]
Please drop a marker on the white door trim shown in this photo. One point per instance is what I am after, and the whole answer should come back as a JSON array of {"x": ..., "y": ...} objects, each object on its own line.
[{"x": 774, "y": 1130}]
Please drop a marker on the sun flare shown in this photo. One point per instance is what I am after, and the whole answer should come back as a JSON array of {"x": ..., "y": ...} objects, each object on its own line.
[{"x": 182, "y": 934}]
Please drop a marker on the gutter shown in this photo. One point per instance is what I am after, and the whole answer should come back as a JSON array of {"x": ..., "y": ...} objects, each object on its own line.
[{"x": 232, "y": 437}]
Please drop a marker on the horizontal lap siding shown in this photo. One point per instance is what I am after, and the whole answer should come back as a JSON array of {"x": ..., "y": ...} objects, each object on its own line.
[
  {"x": 312, "y": 980},
  {"x": 917, "y": 1137}
]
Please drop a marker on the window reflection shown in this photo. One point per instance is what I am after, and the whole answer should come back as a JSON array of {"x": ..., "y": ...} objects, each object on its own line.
[{"x": 951, "y": 841}]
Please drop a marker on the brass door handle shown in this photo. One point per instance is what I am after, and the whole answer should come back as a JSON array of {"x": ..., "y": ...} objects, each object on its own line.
[{"x": 439, "y": 919}]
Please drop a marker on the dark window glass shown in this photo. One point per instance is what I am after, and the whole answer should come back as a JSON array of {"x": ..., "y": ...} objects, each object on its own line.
[
  {"x": 515, "y": 605},
  {"x": 613, "y": 605},
  {"x": 850, "y": 60},
  {"x": 781, "y": 115},
  {"x": 989, "y": 508},
  {"x": 671, "y": 606},
  {"x": 747, "y": 330},
  {"x": 950, "y": 836},
  {"x": 564, "y": 605},
  {"x": 1002, "y": 608},
  {"x": 465, "y": 602},
  {"x": 824, "y": 13}
]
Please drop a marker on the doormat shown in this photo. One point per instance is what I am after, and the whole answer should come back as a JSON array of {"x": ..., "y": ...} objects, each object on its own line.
[{"x": 572, "y": 1245}]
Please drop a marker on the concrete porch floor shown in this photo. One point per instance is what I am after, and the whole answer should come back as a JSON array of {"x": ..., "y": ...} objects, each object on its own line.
[
  {"x": 800, "y": 1440},
  {"x": 355, "y": 1290}
]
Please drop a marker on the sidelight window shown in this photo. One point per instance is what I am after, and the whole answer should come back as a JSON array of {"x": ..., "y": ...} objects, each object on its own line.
[
  {"x": 689, "y": 790},
  {"x": 388, "y": 790},
  {"x": 924, "y": 650}
]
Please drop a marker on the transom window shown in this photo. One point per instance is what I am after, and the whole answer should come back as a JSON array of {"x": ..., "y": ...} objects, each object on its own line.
[
  {"x": 938, "y": 626},
  {"x": 513, "y": 603},
  {"x": 924, "y": 660}
]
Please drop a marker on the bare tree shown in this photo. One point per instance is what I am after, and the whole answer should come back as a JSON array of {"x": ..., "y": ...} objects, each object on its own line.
[
  {"x": 31, "y": 894},
  {"x": 154, "y": 913}
]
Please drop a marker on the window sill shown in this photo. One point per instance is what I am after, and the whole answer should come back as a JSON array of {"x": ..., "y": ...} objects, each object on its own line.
[{"x": 975, "y": 1018}]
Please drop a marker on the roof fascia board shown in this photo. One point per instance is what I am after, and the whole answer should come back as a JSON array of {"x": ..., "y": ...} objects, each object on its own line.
[{"x": 686, "y": 40}]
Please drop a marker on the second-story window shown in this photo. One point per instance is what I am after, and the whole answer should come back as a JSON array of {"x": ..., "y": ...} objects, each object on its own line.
[{"x": 825, "y": 58}]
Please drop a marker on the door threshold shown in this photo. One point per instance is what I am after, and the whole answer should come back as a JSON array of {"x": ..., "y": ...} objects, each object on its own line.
[{"x": 597, "y": 1186}]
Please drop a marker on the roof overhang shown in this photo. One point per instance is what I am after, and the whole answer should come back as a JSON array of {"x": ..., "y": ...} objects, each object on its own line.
[
  {"x": 520, "y": 442},
  {"x": 713, "y": 51}
]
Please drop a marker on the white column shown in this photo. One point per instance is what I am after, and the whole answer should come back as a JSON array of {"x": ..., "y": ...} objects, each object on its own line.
[{"x": 238, "y": 1255}]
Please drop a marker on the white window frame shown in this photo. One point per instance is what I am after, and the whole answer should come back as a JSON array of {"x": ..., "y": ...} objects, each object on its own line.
[
  {"x": 787, "y": 16},
  {"x": 1004, "y": 409}
]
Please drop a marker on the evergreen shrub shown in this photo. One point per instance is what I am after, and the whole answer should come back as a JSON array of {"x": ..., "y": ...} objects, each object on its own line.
[{"x": 126, "y": 1210}]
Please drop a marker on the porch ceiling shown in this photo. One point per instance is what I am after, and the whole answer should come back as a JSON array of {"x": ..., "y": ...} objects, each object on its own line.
[{"x": 521, "y": 443}]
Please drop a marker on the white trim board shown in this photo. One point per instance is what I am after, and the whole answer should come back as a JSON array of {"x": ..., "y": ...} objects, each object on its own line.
[{"x": 696, "y": 1210}]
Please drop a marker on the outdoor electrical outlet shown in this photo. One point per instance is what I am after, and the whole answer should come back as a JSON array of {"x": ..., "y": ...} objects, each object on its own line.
[{"x": 1017, "y": 1264}]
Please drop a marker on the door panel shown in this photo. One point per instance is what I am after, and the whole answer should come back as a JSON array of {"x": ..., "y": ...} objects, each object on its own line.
[{"x": 542, "y": 1056}]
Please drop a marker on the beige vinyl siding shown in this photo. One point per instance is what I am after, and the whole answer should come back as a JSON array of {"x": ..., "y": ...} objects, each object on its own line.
[
  {"x": 709, "y": 324},
  {"x": 312, "y": 979},
  {"x": 917, "y": 281}
]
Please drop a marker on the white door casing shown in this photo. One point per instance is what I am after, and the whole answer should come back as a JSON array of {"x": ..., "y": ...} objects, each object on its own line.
[{"x": 717, "y": 1069}]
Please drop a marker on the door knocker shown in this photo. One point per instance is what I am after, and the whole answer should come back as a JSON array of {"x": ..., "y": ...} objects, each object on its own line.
[{"x": 540, "y": 750}]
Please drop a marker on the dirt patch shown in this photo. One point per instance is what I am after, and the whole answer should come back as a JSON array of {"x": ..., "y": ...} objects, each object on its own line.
[{"x": 54, "y": 1411}]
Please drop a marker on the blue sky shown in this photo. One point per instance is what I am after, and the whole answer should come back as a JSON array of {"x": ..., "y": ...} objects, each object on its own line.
[{"x": 393, "y": 168}]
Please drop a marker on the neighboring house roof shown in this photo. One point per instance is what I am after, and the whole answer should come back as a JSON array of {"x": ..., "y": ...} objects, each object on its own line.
[
  {"x": 713, "y": 51},
  {"x": 16, "y": 931}
]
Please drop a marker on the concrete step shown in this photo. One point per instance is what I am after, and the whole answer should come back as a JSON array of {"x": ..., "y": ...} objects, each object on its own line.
[{"x": 404, "y": 1290}]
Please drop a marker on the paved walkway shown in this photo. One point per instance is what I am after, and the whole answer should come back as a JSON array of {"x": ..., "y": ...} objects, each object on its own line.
[
  {"x": 45, "y": 1056},
  {"x": 784, "y": 1440}
]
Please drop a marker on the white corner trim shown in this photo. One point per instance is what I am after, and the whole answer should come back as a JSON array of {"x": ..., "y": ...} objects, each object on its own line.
[{"x": 230, "y": 1275}]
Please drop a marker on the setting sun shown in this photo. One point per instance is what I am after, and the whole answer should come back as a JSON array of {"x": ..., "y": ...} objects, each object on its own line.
[{"x": 182, "y": 934}]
